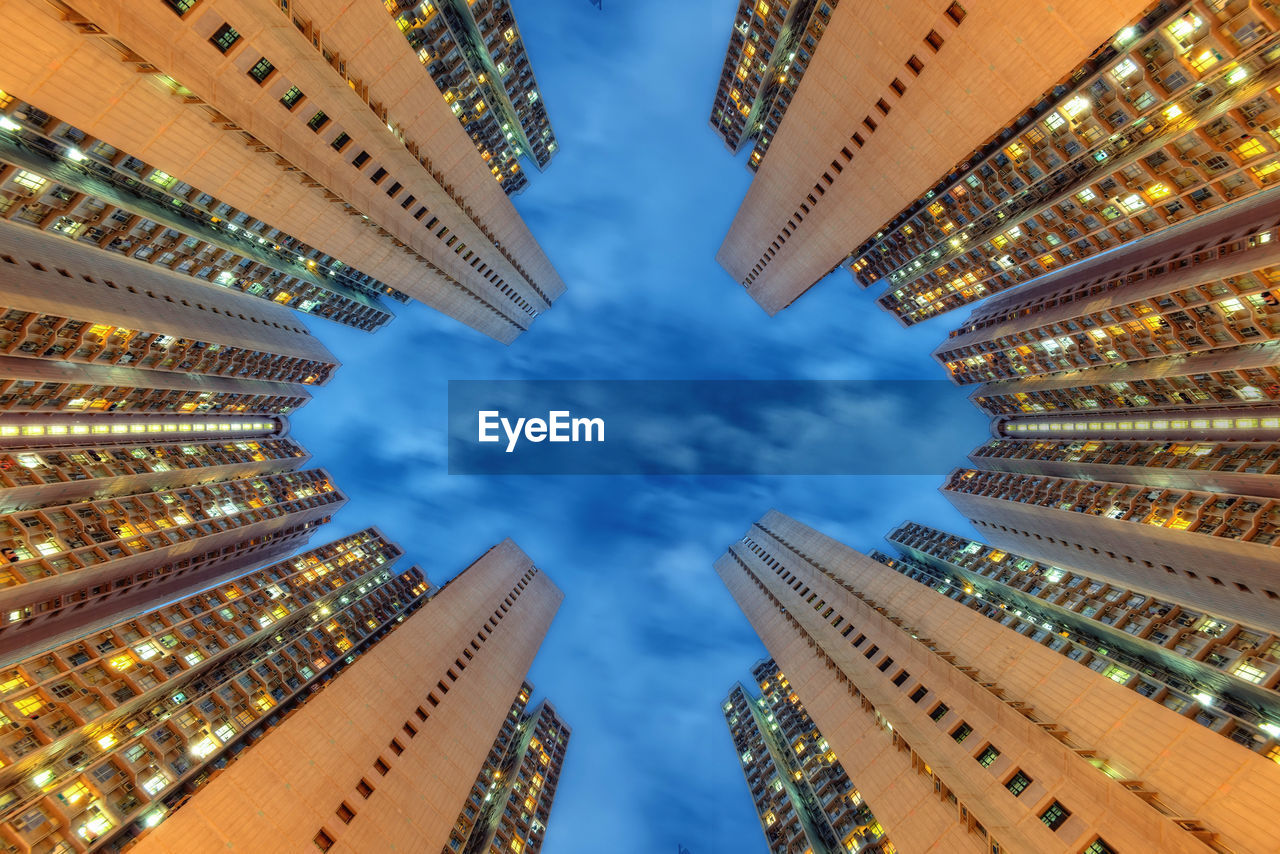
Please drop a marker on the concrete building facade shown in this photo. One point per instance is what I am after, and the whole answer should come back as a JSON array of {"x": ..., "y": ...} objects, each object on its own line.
[
  {"x": 804, "y": 798},
  {"x": 385, "y": 755},
  {"x": 969, "y": 734},
  {"x": 319, "y": 121},
  {"x": 893, "y": 97}
]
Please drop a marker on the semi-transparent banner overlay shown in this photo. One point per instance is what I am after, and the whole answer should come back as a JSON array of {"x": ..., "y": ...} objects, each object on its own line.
[{"x": 728, "y": 427}]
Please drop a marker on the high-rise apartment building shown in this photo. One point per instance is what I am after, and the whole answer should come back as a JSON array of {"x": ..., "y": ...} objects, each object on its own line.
[
  {"x": 94, "y": 332},
  {"x": 510, "y": 802},
  {"x": 101, "y": 516},
  {"x": 384, "y": 756},
  {"x": 310, "y": 130},
  {"x": 1220, "y": 673},
  {"x": 968, "y": 733},
  {"x": 892, "y": 98},
  {"x": 474, "y": 51},
  {"x": 143, "y": 448},
  {"x": 805, "y": 801},
  {"x": 770, "y": 46},
  {"x": 108, "y": 732}
]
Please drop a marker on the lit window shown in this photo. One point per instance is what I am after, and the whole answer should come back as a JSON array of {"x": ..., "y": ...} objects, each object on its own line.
[
  {"x": 1250, "y": 148},
  {"x": 30, "y": 180}
]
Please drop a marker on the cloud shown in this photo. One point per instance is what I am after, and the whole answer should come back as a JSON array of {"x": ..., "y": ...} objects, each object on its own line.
[{"x": 631, "y": 211}]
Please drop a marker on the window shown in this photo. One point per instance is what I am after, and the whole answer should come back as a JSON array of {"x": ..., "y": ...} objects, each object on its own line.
[
  {"x": 319, "y": 120},
  {"x": 378, "y": 175},
  {"x": 394, "y": 188},
  {"x": 261, "y": 70},
  {"x": 902, "y": 676},
  {"x": 345, "y": 813},
  {"x": 885, "y": 665},
  {"x": 1018, "y": 783},
  {"x": 869, "y": 123},
  {"x": 939, "y": 712},
  {"x": 956, "y": 13},
  {"x": 883, "y": 107},
  {"x": 987, "y": 756},
  {"x": 915, "y": 65},
  {"x": 224, "y": 38},
  {"x": 180, "y": 7},
  {"x": 292, "y": 98},
  {"x": 858, "y": 140},
  {"x": 396, "y": 747},
  {"x": 899, "y": 88},
  {"x": 340, "y": 142},
  {"x": 1055, "y": 815},
  {"x": 1098, "y": 846},
  {"x": 364, "y": 788},
  {"x": 961, "y": 732},
  {"x": 323, "y": 841},
  {"x": 382, "y": 767},
  {"x": 360, "y": 159},
  {"x": 918, "y": 694},
  {"x": 934, "y": 41}
]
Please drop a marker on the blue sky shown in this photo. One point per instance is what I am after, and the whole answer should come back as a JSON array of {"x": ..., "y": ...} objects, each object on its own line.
[{"x": 631, "y": 211}]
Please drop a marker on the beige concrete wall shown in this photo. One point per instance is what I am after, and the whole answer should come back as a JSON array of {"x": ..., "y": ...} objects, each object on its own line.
[
  {"x": 1003, "y": 56},
  {"x": 282, "y": 790}
]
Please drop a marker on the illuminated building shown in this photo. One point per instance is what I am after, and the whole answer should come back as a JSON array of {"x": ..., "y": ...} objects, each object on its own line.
[
  {"x": 85, "y": 331},
  {"x": 387, "y": 752},
  {"x": 1221, "y": 674},
  {"x": 770, "y": 46},
  {"x": 108, "y": 733},
  {"x": 510, "y": 803},
  {"x": 475, "y": 53},
  {"x": 804, "y": 799},
  {"x": 310, "y": 127},
  {"x": 967, "y": 733},
  {"x": 893, "y": 98}
]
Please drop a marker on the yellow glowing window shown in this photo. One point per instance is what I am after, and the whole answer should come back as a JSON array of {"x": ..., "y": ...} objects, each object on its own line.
[
  {"x": 121, "y": 662},
  {"x": 74, "y": 792},
  {"x": 516, "y": 844},
  {"x": 1076, "y": 106},
  {"x": 264, "y": 702},
  {"x": 106, "y": 741},
  {"x": 509, "y": 35},
  {"x": 1158, "y": 191},
  {"x": 1172, "y": 111},
  {"x": 763, "y": 8},
  {"x": 13, "y": 683},
  {"x": 29, "y": 705},
  {"x": 735, "y": 94},
  {"x": 1249, "y": 673},
  {"x": 1205, "y": 61},
  {"x": 30, "y": 180},
  {"x": 283, "y": 297},
  {"x": 1266, "y": 169},
  {"x": 1250, "y": 148},
  {"x": 1015, "y": 150},
  {"x": 1185, "y": 26}
]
